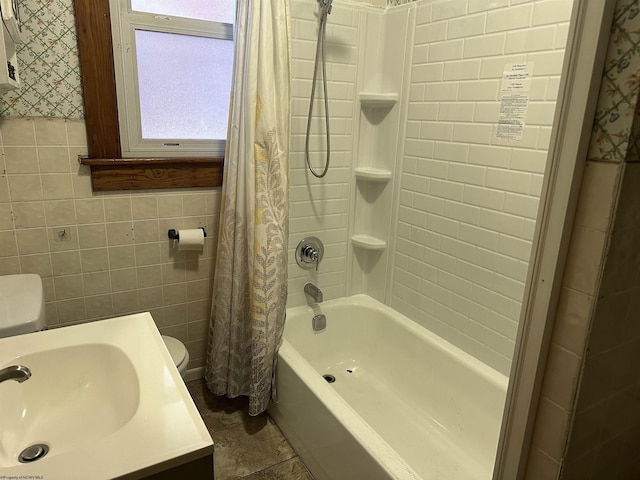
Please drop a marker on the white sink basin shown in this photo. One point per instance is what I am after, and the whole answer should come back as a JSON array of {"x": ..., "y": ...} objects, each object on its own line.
[
  {"x": 105, "y": 398},
  {"x": 95, "y": 385}
]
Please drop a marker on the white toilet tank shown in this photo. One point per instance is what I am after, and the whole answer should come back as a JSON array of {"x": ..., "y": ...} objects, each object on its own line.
[{"x": 21, "y": 304}]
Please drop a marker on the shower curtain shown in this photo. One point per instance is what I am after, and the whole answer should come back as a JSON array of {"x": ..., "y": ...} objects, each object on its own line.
[{"x": 250, "y": 280}]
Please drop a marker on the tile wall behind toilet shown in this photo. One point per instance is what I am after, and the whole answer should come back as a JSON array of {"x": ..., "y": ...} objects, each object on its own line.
[
  {"x": 116, "y": 257},
  {"x": 469, "y": 200},
  {"x": 100, "y": 255}
]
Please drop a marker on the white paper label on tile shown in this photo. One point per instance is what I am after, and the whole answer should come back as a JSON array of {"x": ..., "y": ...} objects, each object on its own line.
[
  {"x": 516, "y": 77},
  {"x": 514, "y": 100}
]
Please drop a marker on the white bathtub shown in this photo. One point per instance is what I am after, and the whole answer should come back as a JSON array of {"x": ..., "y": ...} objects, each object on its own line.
[{"x": 405, "y": 404}]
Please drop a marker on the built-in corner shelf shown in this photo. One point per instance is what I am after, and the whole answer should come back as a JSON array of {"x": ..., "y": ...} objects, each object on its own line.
[
  {"x": 373, "y": 174},
  {"x": 378, "y": 100},
  {"x": 368, "y": 242}
]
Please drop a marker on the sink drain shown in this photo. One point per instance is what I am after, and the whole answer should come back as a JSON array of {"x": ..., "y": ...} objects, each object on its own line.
[
  {"x": 329, "y": 378},
  {"x": 33, "y": 453}
]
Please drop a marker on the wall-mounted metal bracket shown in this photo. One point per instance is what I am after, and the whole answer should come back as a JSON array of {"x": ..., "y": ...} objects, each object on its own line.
[{"x": 174, "y": 235}]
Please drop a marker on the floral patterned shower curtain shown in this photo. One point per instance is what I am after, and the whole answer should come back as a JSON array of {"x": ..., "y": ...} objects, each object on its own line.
[{"x": 250, "y": 281}]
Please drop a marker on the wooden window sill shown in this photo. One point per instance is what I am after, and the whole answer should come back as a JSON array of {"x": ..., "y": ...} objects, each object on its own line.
[{"x": 108, "y": 174}]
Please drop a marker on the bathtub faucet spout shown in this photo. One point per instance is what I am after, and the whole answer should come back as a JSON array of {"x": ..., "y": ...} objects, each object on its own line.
[{"x": 313, "y": 291}]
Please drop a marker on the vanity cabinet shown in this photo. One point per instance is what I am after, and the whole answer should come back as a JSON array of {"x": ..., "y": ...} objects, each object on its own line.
[{"x": 198, "y": 469}]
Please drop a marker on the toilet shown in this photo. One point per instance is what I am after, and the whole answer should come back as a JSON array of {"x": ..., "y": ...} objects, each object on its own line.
[
  {"x": 178, "y": 352},
  {"x": 21, "y": 305},
  {"x": 22, "y": 311}
]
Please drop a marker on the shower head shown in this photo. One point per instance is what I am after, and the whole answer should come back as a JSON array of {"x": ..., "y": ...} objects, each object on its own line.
[{"x": 326, "y": 6}]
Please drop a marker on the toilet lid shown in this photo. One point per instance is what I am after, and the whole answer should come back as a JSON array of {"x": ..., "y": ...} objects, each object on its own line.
[{"x": 176, "y": 349}]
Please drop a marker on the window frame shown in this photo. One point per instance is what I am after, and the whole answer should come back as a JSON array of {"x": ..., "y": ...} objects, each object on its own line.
[
  {"x": 109, "y": 169},
  {"x": 124, "y": 23}
]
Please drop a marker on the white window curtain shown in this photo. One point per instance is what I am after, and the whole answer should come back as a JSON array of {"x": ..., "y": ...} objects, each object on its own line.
[{"x": 250, "y": 280}]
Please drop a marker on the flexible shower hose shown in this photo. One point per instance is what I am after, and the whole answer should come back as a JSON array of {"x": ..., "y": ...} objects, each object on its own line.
[{"x": 326, "y": 9}]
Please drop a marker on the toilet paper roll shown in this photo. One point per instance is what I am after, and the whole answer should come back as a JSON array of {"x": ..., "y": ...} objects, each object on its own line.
[{"x": 191, "y": 239}]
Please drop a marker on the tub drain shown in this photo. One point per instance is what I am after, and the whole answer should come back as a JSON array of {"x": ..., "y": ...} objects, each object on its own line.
[
  {"x": 329, "y": 378},
  {"x": 33, "y": 453}
]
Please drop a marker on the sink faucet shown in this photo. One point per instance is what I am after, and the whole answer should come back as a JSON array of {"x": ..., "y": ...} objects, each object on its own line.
[
  {"x": 19, "y": 373},
  {"x": 313, "y": 291}
]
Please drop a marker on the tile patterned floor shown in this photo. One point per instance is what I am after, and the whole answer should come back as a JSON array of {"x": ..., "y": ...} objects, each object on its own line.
[{"x": 245, "y": 447}]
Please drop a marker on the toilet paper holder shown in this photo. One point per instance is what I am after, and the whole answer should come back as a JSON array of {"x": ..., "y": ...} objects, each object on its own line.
[{"x": 174, "y": 235}]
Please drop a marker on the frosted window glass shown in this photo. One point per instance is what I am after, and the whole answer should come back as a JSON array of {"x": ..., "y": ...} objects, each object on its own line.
[
  {"x": 184, "y": 84},
  {"x": 214, "y": 10}
]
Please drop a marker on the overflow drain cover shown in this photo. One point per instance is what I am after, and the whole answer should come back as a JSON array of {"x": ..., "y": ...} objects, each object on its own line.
[
  {"x": 329, "y": 378},
  {"x": 33, "y": 453}
]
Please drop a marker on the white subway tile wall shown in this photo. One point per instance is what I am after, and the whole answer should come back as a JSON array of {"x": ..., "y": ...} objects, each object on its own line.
[
  {"x": 101, "y": 254},
  {"x": 469, "y": 200},
  {"x": 320, "y": 207}
]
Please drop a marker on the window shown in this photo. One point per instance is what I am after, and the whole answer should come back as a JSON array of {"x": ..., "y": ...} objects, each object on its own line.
[{"x": 172, "y": 64}]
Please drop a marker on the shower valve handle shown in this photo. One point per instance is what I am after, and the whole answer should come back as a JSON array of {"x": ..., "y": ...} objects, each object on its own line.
[{"x": 309, "y": 253}]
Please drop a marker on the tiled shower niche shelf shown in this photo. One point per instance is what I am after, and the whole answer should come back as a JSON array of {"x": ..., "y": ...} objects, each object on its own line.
[
  {"x": 373, "y": 174},
  {"x": 368, "y": 242},
  {"x": 378, "y": 100}
]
